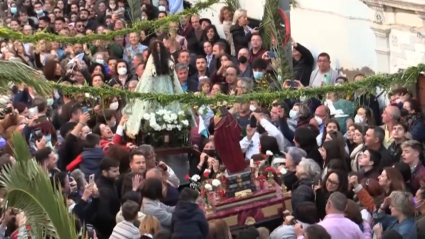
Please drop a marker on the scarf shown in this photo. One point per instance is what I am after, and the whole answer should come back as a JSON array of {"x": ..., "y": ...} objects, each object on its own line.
[{"x": 409, "y": 119}]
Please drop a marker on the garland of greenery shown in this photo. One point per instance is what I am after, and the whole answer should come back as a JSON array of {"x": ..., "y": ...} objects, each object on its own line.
[
  {"x": 19, "y": 73},
  {"x": 137, "y": 27}
]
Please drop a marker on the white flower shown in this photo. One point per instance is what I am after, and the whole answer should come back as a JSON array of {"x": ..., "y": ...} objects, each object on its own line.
[
  {"x": 169, "y": 127},
  {"x": 195, "y": 178},
  {"x": 164, "y": 126},
  {"x": 179, "y": 127},
  {"x": 173, "y": 116},
  {"x": 208, "y": 187},
  {"x": 180, "y": 112},
  {"x": 282, "y": 171},
  {"x": 216, "y": 182},
  {"x": 269, "y": 153},
  {"x": 185, "y": 122},
  {"x": 167, "y": 118},
  {"x": 146, "y": 116}
]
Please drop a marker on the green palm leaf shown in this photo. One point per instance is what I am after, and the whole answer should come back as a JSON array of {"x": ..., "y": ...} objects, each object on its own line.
[
  {"x": 135, "y": 11},
  {"x": 29, "y": 189}
]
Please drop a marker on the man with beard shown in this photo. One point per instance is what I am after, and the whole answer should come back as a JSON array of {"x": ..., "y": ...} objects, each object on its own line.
[{"x": 137, "y": 166}]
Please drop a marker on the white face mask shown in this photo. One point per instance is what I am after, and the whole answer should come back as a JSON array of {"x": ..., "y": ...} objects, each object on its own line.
[
  {"x": 293, "y": 114},
  {"x": 122, "y": 71},
  {"x": 162, "y": 9},
  {"x": 358, "y": 119},
  {"x": 100, "y": 61},
  {"x": 319, "y": 120},
  {"x": 252, "y": 108},
  {"x": 113, "y": 123},
  {"x": 114, "y": 106}
]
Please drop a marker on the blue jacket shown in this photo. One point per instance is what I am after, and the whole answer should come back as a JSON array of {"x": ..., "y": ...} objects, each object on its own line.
[
  {"x": 90, "y": 160},
  {"x": 417, "y": 130}
]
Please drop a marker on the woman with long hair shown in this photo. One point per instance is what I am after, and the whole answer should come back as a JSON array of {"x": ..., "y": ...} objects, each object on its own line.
[
  {"x": 240, "y": 31},
  {"x": 218, "y": 229}
]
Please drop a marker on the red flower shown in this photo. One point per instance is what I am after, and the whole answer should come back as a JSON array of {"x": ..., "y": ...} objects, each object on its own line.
[
  {"x": 206, "y": 174},
  {"x": 261, "y": 177},
  {"x": 257, "y": 162},
  {"x": 220, "y": 192},
  {"x": 265, "y": 156},
  {"x": 203, "y": 192},
  {"x": 261, "y": 183},
  {"x": 268, "y": 169},
  {"x": 187, "y": 177}
]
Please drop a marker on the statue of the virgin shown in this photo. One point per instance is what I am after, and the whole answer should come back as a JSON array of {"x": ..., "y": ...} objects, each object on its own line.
[{"x": 158, "y": 77}]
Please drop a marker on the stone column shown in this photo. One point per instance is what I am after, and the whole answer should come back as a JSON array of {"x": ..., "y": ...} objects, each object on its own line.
[{"x": 382, "y": 47}]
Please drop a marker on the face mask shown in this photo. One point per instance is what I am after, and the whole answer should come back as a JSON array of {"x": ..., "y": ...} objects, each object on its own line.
[
  {"x": 252, "y": 108},
  {"x": 113, "y": 123},
  {"x": 293, "y": 114},
  {"x": 122, "y": 71},
  {"x": 162, "y": 9},
  {"x": 39, "y": 12},
  {"x": 319, "y": 120},
  {"x": 50, "y": 102},
  {"x": 48, "y": 138},
  {"x": 210, "y": 152},
  {"x": 258, "y": 75},
  {"x": 358, "y": 119},
  {"x": 114, "y": 106},
  {"x": 243, "y": 59},
  {"x": 303, "y": 98},
  {"x": 112, "y": 6},
  {"x": 100, "y": 61},
  {"x": 13, "y": 10}
]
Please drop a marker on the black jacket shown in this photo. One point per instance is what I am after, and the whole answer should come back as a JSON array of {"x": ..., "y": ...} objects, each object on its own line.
[
  {"x": 188, "y": 222},
  {"x": 192, "y": 85},
  {"x": 304, "y": 66},
  {"x": 107, "y": 207},
  {"x": 302, "y": 191},
  {"x": 240, "y": 39}
]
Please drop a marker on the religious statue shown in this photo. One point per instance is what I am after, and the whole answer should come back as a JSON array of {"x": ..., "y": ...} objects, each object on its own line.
[
  {"x": 158, "y": 77},
  {"x": 226, "y": 139}
]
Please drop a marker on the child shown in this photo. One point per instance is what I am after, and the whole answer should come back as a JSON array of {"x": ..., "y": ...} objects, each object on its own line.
[
  {"x": 91, "y": 156},
  {"x": 126, "y": 229},
  {"x": 205, "y": 85},
  {"x": 188, "y": 220}
]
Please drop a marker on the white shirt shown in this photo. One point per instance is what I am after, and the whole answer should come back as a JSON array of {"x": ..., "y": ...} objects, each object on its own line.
[
  {"x": 274, "y": 132},
  {"x": 250, "y": 147}
]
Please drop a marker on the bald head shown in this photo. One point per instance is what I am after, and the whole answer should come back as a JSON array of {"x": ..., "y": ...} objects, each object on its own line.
[
  {"x": 391, "y": 114},
  {"x": 153, "y": 173},
  {"x": 322, "y": 112}
]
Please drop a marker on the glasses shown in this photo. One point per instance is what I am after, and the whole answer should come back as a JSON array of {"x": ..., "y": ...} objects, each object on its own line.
[{"x": 332, "y": 182}]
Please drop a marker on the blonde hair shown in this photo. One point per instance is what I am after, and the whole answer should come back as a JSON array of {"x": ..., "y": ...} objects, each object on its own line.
[
  {"x": 403, "y": 202},
  {"x": 238, "y": 14},
  {"x": 149, "y": 225}
]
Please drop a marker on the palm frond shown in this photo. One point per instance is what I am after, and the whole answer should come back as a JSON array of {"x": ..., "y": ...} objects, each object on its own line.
[
  {"x": 233, "y": 5},
  {"x": 18, "y": 73},
  {"x": 135, "y": 11},
  {"x": 29, "y": 189},
  {"x": 273, "y": 35}
]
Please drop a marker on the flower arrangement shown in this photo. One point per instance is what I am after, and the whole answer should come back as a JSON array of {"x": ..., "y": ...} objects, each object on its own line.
[
  {"x": 206, "y": 173},
  {"x": 165, "y": 120},
  {"x": 216, "y": 183},
  {"x": 269, "y": 169},
  {"x": 195, "y": 182},
  {"x": 261, "y": 179}
]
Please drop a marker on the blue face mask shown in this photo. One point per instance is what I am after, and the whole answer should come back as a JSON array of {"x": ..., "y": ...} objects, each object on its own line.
[
  {"x": 100, "y": 61},
  {"x": 39, "y": 12},
  {"x": 48, "y": 138},
  {"x": 50, "y": 102},
  {"x": 258, "y": 75},
  {"x": 13, "y": 10}
]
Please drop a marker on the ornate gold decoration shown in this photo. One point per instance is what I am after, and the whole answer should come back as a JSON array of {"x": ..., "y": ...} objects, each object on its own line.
[
  {"x": 270, "y": 179},
  {"x": 244, "y": 193},
  {"x": 239, "y": 180},
  {"x": 250, "y": 221}
]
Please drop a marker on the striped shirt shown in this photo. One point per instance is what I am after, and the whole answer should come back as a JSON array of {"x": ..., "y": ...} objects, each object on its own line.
[{"x": 125, "y": 230}]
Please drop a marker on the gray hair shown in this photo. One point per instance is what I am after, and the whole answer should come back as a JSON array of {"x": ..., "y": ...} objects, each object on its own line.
[
  {"x": 101, "y": 53},
  {"x": 303, "y": 110},
  {"x": 247, "y": 83},
  {"x": 139, "y": 56},
  {"x": 296, "y": 154},
  {"x": 403, "y": 202},
  {"x": 181, "y": 66},
  {"x": 394, "y": 111},
  {"x": 310, "y": 168},
  {"x": 338, "y": 201}
]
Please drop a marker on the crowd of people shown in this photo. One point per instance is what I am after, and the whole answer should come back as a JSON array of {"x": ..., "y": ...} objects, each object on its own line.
[{"x": 354, "y": 163}]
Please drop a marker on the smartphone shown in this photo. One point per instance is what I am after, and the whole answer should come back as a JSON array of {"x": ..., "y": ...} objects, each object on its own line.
[
  {"x": 89, "y": 231},
  {"x": 252, "y": 122},
  {"x": 84, "y": 109},
  {"x": 292, "y": 84},
  {"x": 38, "y": 135},
  {"x": 91, "y": 179},
  {"x": 41, "y": 118},
  {"x": 271, "y": 54}
]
